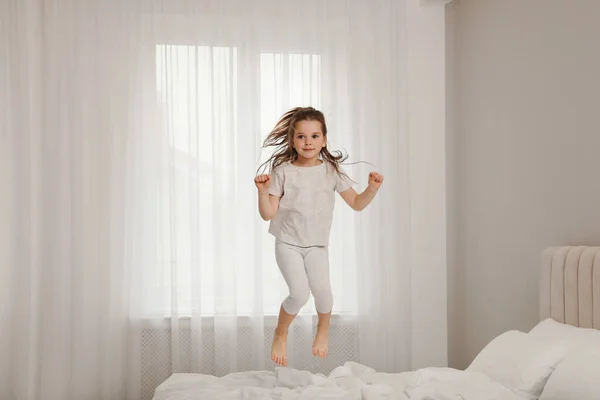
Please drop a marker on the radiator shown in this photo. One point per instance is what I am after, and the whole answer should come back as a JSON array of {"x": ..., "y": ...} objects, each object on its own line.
[{"x": 157, "y": 340}]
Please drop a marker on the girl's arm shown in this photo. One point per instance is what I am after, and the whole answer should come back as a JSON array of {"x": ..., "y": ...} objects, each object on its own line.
[
  {"x": 358, "y": 202},
  {"x": 267, "y": 203}
]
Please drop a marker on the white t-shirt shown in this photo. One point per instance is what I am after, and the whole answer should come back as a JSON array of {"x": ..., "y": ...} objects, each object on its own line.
[{"x": 306, "y": 206}]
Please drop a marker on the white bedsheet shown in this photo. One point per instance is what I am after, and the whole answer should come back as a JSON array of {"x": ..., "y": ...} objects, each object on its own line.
[
  {"x": 351, "y": 381},
  {"x": 451, "y": 384}
]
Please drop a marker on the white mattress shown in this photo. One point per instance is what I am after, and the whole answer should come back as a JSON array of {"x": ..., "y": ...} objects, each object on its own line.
[{"x": 348, "y": 382}]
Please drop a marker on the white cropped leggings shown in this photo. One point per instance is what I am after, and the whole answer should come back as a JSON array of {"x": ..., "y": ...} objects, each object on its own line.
[{"x": 305, "y": 269}]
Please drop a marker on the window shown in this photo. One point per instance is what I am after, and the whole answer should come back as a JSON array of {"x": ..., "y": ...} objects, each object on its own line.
[{"x": 199, "y": 98}]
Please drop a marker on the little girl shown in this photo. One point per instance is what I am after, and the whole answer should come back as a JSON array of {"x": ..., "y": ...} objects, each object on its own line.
[{"x": 298, "y": 198}]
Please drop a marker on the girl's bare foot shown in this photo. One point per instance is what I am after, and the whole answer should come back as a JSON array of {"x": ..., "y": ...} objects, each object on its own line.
[
  {"x": 279, "y": 349},
  {"x": 279, "y": 346},
  {"x": 320, "y": 345}
]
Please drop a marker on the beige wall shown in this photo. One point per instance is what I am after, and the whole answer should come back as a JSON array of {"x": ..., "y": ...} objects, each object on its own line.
[
  {"x": 425, "y": 35},
  {"x": 523, "y": 152}
]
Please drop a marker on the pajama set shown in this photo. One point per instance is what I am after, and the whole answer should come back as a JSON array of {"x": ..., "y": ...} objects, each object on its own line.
[{"x": 301, "y": 227}]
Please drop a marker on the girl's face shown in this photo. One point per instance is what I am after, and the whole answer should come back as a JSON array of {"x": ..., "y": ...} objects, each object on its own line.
[{"x": 308, "y": 139}]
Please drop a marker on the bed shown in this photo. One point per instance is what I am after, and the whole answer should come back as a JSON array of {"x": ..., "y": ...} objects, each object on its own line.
[{"x": 559, "y": 359}]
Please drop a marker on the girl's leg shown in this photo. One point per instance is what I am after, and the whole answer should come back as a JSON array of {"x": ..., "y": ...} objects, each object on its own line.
[
  {"x": 317, "y": 268},
  {"x": 279, "y": 345},
  {"x": 321, "y": 343},
  {"x": 291, "y": 265}
]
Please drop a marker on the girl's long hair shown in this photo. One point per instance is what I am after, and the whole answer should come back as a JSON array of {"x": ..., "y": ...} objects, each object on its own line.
[{"x": 282, "y": 138}]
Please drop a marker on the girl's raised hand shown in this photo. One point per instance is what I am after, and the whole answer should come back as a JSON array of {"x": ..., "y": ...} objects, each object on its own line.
[
  {"x": 263, "y": 182},
  {"x": 375, "y": 180}
]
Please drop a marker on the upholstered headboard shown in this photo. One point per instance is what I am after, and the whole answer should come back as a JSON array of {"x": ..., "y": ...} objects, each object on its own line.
[{"x": 570, "y": 285}]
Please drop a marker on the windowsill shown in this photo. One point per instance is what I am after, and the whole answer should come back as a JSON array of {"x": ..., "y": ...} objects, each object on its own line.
[{"x": 242, "y": 320}]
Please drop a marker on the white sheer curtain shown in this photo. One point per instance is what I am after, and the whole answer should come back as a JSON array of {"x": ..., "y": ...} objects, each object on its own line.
[{"x": 131, "y": 245}]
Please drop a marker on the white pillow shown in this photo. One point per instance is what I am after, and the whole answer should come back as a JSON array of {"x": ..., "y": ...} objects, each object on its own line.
[
  {"x": 551, "y": 329},
  {"x": 577, "y": 376},
  {"x": 520, "y": 362}
]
